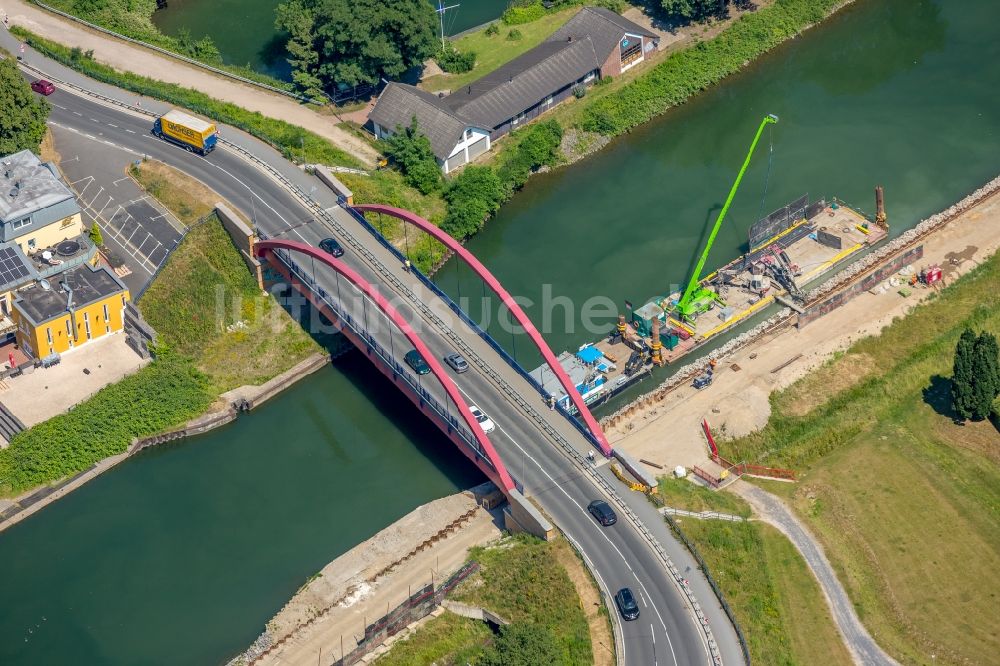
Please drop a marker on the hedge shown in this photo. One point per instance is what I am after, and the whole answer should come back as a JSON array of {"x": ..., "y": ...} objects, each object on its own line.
[
  {"x": 164, "y": 394},
  {"x": 294, "y": 142},
  {"x": 692, "y": 70}
]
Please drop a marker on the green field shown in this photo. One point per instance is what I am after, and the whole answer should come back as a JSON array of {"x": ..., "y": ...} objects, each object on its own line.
[
  {"x": 905, "y": 500},
  {"x": 521, "y": 580},
  {"x": 203, "y": 291},
  {"x": 774, "y": 596}
]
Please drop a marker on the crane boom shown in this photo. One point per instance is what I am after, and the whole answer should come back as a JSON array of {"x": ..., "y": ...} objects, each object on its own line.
[{"x": 687, "y": 305}]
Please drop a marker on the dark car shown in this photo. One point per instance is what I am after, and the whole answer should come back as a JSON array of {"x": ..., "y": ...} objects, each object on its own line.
[
  {"x": 417, "y": 362},
  {"x": 331, "y": 247},
  {"x": 457, "y": 363},
  {"x": 43, "y": 87},
  {"x": 603, "y": 512},
  {"x": 627, "y": 606}
]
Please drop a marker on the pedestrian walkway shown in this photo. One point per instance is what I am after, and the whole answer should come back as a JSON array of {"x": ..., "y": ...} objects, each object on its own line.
[
  {"x": 857, "y": 639},
  {"x": 132, "y": 58}
]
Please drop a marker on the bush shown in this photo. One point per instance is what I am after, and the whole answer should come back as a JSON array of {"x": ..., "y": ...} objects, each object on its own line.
[
  {"x": 579, "y": 91},
  {"x": 411, "y": 150},
  {"x": 294, "y": 142},
  {"x": 514, "y": 35},
  {"x": 96, "y": 237},
  {"x": 164, "y": 394},
  {"x": 492, "y": 30},
  {"x": 453, "y": 61},
  {"x": 517, "y": 14},
  {"x": 694, "y": 69},
  {"x": 479, "y": 191}
]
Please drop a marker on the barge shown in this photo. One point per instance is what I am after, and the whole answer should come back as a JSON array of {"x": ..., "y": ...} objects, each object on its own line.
[{"x": 789, "y": 249}]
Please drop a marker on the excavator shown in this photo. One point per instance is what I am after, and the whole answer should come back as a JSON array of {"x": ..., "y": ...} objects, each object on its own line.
[{"x": 698, "y": 298}]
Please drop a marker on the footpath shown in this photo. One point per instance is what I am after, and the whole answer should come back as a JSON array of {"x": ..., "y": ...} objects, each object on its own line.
[{"x": 132, "y": 58}]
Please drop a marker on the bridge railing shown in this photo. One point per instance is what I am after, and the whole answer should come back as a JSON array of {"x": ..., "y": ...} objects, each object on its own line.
[
  {"x": 473, "y": 324},
  {"x": 347, "y": 319}
]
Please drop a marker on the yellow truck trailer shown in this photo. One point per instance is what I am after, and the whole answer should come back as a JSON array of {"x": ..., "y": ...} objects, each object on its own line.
[{"x": 185, "y": 130}]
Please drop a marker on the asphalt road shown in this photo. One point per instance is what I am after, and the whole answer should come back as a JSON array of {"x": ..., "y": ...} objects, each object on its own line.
[{"x": 666, "y": 632}]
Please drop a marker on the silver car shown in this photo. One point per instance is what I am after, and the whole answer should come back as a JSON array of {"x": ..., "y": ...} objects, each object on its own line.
[{"x": 457, "y": 363}]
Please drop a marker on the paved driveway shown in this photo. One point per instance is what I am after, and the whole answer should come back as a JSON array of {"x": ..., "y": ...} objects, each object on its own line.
[{"x": 136, "y": 228}]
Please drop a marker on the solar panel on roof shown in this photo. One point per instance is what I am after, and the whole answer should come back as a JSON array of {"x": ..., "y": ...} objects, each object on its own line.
[{"x": 12, "y": 269}]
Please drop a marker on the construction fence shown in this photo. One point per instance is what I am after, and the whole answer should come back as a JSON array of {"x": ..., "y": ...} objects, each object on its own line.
[{"x": 420, "y": 604}]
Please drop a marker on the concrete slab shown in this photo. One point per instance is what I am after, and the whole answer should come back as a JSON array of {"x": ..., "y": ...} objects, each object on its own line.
[{"x": 47, "y": 392}]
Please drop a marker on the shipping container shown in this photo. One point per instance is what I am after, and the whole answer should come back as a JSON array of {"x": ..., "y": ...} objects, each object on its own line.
[{"x": 185, "y": 130}]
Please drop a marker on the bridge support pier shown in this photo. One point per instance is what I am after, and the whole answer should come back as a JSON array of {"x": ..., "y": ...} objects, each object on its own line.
[{"x": 520, "y": 515}]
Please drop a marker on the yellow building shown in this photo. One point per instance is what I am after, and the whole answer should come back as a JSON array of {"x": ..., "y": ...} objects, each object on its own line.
[
  {"x": 85, "y": 304},
  {"x": 37, "y": 210}
]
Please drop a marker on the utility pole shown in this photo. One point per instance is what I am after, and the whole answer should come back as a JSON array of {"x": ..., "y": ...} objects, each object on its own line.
[{"x": 441, "y": 10}]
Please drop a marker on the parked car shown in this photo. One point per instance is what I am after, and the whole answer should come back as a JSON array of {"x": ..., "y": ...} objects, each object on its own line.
[
  {"x": 627, "y": 606},
  {"x": 43, "y": 87},
  {"x": 457, "y": 363},
  {"x": 484, "y": 421},
  {"x": 417, "y": 362},
  {"x": 331, "y": 247},
  {"x": 603, "y": 512}
]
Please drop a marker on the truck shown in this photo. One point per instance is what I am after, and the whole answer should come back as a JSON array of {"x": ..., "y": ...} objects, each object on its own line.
[{"x": 194, "y": 134}]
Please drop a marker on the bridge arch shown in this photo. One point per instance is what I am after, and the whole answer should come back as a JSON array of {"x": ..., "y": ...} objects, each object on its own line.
[
  {"x": 484, "y": 273},
  {"x": 264, "y": 248}
]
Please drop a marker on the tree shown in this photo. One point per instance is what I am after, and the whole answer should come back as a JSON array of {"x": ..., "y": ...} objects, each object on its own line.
[
  {"x": 96, "y": 237},
  {"x": 356, "y": 42},
  {"x": 693, "y": 10},
  {"x": 22, "y": 113},
  {"x": 522, "y": 644},
  {"x": 961, "y": 380},
  {"x": 477, "y": 193},
  {"x": 976, "y": 380},
  {"x": 411, "y": 150}
]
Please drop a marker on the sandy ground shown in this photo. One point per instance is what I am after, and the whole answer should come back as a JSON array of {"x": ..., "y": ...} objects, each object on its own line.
[
  {"x": 356, "y": 586},
  {"x": 668, "y": 432},
  {"x": 47, "y": 392},
  {"x": 138, "y": 60}
]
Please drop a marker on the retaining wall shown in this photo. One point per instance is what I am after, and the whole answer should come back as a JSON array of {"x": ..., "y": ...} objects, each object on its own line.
[{"x": 243, "y": 238}]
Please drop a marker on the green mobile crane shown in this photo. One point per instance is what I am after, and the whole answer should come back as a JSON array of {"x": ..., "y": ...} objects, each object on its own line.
[{"x": 696, "y": 298}]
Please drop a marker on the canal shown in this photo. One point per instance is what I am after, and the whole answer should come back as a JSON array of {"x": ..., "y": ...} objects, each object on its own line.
[
  {"x": 258, "y": 44},
  {"x": 899, "y": 92},
  {"x": 182, "y": 554}
]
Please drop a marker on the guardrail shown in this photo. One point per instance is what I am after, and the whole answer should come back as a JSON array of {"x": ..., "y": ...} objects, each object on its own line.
[
  {"x": 488, "y": 371},
  {"x": 172, "y": 54}
]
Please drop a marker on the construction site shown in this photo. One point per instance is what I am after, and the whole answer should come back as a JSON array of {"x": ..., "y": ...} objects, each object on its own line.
[{"x": 787, "y": 250}]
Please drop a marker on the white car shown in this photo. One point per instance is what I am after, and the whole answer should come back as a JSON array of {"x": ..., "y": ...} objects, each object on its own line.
[{"x": 484, "y": 421}]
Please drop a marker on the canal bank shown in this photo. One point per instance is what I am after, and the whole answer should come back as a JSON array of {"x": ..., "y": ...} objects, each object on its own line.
[{"x": 185, "y": 551}]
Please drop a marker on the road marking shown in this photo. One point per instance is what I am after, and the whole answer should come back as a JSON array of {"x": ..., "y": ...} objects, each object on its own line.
[
  {"x": 77, "y": 113},
  {"x": 130, "y": 131},
  {"x": 112, "y": 125},
  {"x": 654, "y": 643},
  {"x": 589, "y": 522},
  {"x": 120, "y": 180},
  {"x": 95, "y": 120},
  {"x": 59, "y": 107}
]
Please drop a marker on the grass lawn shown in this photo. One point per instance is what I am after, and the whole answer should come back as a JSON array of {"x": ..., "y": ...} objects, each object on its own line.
[
  {"x": 521, "y": 579},
  {"x": 773, "y": 594},
  {"x": 206, "y": 288},
  {"x": 496, "y": 50},
  {"x": 690, "y": 496},
  {"x": 188, "y": 199},
  {"x": 905, "y": 501}
]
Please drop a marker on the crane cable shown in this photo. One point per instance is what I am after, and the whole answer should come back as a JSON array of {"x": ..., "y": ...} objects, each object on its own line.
[{"x": 767, "y": 178}]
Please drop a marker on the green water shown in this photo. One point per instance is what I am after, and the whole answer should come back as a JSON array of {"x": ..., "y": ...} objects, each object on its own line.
[
  {"x": 244, "y": 29},
  {"x": 181, "y": 554},
  {"x": 899, "y": 92}
]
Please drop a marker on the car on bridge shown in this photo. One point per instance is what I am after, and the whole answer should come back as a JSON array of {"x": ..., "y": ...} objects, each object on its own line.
[
  {"x": 485, "y": 422},
  {"x": 331, "y": 247},
  {"x": 43, "y": 87},
  {"x": 603, "y": 512},
  {"x": 417, "y": 362},
  {"x": 627, "y": 606},
  {"x": 457, "y": 363}
]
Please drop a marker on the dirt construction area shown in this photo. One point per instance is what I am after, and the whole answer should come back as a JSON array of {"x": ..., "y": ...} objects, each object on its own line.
[
  {"x": 429, "y": 543},
  {"x": 669, "y": 433}
]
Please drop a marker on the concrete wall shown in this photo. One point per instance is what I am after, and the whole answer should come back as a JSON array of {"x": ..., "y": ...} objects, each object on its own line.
[
  {"x": 331, "y": 181},
  {"x": 520, "y": 515},
  {"x": 243, "y": 238}
]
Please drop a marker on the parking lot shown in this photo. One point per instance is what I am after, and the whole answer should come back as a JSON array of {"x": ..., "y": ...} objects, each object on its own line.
[{"x": 138, "y": 232}]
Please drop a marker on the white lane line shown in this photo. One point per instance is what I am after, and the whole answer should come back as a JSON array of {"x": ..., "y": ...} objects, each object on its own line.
[
  {"x": 58, "y": 106},
  {"x": 105, "y": 205},
  {"x": 651, "y": 633},
  {"x": 130, "y": 131},
  {"x": 112, "y": 125},
  {"x": 115, "y": 183},
  {"x": 77, "y": 113},
  {"x": 95, "y": 120},
  {"x": 589, "y": 522}
]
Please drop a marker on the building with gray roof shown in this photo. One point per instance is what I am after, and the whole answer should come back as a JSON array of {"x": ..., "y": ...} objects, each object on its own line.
[
  {"x": 36, "y": 208},
  {"x": 463, "y": 124}
]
